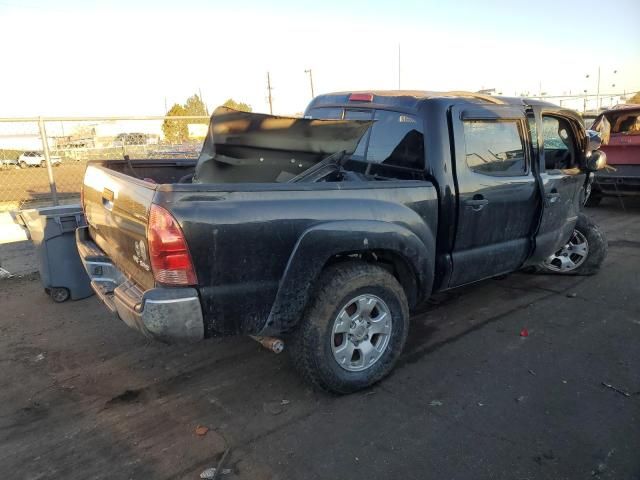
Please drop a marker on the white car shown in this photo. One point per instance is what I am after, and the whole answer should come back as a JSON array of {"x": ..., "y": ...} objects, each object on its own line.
[
  {"x": 8, "y": 163},
  {"x": 35, "y": 159}
]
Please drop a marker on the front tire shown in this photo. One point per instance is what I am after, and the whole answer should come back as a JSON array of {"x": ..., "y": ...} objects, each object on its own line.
[
  {"x": 583, "y": 255},
  {"x": 353, "y": 330}
]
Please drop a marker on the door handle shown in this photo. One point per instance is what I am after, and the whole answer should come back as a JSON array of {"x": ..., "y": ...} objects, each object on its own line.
[
  {"x": 477, "y": 203},
  {"x": 107, "y": 199}
]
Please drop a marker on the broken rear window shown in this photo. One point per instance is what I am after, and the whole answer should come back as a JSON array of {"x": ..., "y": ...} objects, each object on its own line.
[
  {"x": 395, "y": 140},
  {"x": 629, "y": 124}
]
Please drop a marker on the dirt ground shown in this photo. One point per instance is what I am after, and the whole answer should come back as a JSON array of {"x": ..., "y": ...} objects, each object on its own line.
[
  {"x": 22, "y": 187},
  {"x": 82, "y": 397}
]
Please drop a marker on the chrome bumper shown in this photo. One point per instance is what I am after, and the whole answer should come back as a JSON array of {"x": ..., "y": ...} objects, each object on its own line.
[{"x": 171, "y": 315}]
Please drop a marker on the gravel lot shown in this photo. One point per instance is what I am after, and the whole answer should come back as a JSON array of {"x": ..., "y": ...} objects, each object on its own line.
[{"x": 81, "y": 396}]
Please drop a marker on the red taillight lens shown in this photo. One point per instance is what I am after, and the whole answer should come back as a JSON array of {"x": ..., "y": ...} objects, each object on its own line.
[
  {"x": 170, "y": 259},
  {"x": 361, "y": 97}
]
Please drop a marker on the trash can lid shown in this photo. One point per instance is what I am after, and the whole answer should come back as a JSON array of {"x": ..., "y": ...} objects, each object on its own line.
[
  {"x": 36, "y": 218},
  {"x": 33, "y": 213}
]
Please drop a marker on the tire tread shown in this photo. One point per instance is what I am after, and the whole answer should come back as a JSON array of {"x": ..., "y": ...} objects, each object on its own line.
[{"x": 306, "y": 339}]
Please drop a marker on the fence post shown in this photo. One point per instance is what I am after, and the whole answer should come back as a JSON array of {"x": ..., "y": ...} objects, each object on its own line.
[{"x": 47, "y": 159}]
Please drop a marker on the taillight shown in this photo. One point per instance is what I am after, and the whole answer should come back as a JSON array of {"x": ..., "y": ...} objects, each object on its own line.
[{"x": 170, "y": 259}]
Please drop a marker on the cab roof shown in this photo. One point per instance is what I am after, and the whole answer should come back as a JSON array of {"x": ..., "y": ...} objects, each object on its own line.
[{"x": 413, "y": 98}]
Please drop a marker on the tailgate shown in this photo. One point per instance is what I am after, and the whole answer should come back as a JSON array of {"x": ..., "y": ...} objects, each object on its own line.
[{"x": 117, "y": 209}]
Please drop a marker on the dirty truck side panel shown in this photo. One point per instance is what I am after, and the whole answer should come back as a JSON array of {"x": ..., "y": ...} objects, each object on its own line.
[
  {"x": 562, "y": 188},
  {"x": 497, "y": 209},
  {"x": 257, "y": 254},
  {"x": 322, "y": 242}
]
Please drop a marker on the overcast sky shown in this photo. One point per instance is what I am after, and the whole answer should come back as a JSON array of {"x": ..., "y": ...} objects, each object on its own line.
[{"x": 71, "y": 57}]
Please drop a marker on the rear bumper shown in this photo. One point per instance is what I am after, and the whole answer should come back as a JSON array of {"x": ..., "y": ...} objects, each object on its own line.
[
  {"x": 171, "y": 315},
  {"x": 625, "y": 180}
]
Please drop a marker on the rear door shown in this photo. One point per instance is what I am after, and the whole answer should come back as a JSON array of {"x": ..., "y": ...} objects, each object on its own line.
[
  {"x": 497, "y": 192},
  {"x": 559, "y": 140}
]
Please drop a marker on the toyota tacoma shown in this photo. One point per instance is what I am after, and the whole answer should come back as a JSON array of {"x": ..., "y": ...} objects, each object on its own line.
[{"x": 327, "y": 231}]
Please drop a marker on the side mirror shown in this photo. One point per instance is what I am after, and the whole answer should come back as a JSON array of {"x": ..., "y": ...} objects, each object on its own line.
[
  {"x": 595, "y": 140},
  {"x": 597, "y": 160}
]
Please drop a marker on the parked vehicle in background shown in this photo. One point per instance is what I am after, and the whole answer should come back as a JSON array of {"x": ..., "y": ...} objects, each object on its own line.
[
  {"x": 8, "y": 163},
  {"x": 328, "y": 230},
  {"x": 619, "y": 129},
  {"x": 589, "y": 118},
  {"x": 130, "y": 139},
  {"x": 36, "y": 159}
]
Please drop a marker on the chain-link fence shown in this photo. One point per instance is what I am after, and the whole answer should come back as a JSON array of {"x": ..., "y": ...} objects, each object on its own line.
[{"x": 42, "y": 160}]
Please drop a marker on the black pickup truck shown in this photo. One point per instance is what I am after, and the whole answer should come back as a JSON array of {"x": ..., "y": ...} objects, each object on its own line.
[{"x": 327, "y": 231}]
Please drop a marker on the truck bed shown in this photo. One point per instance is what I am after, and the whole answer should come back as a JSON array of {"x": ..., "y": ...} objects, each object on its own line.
[
  {"x": 288, "y": 231},
  {"x": 157, "y": 170}
]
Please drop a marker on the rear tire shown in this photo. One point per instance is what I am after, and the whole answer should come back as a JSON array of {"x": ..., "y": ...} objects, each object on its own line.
[
  {"x": 368, "y": 304},
  {"x": 23, "y": 164},
  {"x": 586, "y": 232}
]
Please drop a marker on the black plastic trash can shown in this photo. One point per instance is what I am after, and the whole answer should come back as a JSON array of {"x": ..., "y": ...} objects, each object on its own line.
[{"x": 52, "y": 231}]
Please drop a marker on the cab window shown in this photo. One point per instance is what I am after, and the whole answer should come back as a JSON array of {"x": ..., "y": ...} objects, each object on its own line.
[
  {"x": 325, "y": 113},
  {"x": 559, "y": 143},
  {"x": 396, "y": 140},
  {"x": 392, "y": 148},
  {"x": 495, "y": 147},
  {"x": 352, "y": 114}
]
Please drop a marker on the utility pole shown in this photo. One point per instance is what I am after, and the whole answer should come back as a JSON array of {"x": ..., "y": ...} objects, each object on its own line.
[
  {"x": 47, "y": 159},
  {"x": 206, "y": 109},
  {"x": 598, "y": 94},
  {"x": 598, "y": 105},
  {"x": 269, "y": 93},
  {"x": 398, "y": 66},
  {"x": 310, "y": 72}
]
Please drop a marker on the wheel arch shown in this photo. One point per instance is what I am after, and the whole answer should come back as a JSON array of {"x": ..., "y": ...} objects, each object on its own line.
[{"x": 407, "y": 256}]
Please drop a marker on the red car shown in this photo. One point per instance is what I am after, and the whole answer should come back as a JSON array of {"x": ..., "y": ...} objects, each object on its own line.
[{"x": 620, "y": 132}]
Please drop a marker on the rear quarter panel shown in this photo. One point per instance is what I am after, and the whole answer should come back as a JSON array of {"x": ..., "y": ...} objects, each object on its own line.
[{"x": 243, "y": 242}]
